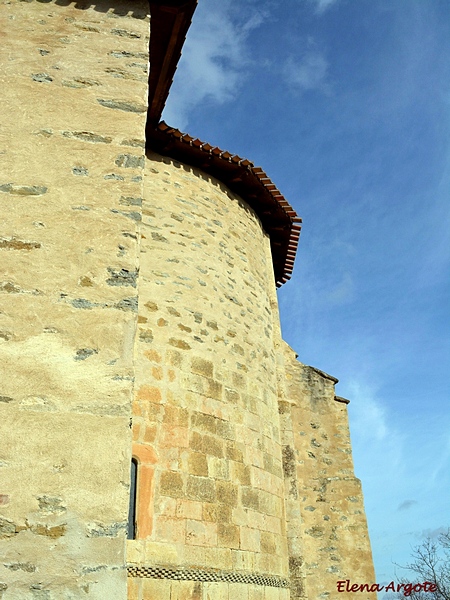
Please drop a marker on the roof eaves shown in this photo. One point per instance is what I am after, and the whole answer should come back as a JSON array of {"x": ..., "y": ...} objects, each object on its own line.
[
  {"x": 169, "y": 24},
  {"x": 277, "y": 216}
]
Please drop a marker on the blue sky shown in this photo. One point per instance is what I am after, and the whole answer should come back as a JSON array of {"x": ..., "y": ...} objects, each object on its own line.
[{"x": 346, "y": 105}]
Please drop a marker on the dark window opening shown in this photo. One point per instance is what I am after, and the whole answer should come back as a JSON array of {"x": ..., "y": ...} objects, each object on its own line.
[{"x": 131, "y": 532}]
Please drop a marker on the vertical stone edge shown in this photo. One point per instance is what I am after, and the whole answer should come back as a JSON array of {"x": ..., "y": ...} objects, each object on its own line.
[{"x": 333, "y": 527}]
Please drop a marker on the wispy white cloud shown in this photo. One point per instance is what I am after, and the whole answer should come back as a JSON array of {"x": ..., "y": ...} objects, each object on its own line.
[
  {"x": 323, "y": 5},
  {"x": 343, "y": 292},
  {"x": 215, "y": 56},
  {"x": 369, "y": 418},
  {"x": 396, "y": 456},
  {"x": 307, "y": 72}
]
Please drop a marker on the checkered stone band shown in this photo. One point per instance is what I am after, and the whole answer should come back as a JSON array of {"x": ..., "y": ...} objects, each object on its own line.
[{"x": 204, "y": 575}]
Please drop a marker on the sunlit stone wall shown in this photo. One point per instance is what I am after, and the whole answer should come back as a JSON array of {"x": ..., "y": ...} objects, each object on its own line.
[
  {"x": 206, "y": 388},
  {"x": 74, "y": 93},
  {"x": 330, "y": 543}
]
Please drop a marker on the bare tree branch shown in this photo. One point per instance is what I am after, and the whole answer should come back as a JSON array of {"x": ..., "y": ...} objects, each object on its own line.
[{"x": 431, "y": 562}]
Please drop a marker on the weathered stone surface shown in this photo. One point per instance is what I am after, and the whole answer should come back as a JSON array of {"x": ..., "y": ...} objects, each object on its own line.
[
  {"x": 84, "y": 353},
  {"x": 130, "y": 161},
  {"x": 133, "y": 107},
  {"x": 66, "y": 355},
  {"x": 333, "y": 543},
  {"x": 16, "y": 244},
  {"x": 23, "y": 190},
  {"x": 88, "y": 136},
  {"x": 171, "y": 484},
  {"x": 42, "y": 77},
  {"x": 122, "y": 277},
  {"x": 201, "y": 325}
]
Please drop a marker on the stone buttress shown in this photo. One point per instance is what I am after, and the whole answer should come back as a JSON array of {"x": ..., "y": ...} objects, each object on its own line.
[{"x": 330, "y": 541}]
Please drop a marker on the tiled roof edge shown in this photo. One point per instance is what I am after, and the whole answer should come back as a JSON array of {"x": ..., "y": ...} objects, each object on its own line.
[{"x": 290, "y": 249}]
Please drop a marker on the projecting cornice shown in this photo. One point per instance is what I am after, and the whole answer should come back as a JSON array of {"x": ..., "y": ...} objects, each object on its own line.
[{"x": 251, "y": 183}]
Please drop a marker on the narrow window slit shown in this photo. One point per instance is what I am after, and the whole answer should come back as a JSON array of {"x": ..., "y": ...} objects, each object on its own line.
[{"x": 131, "y": 532}]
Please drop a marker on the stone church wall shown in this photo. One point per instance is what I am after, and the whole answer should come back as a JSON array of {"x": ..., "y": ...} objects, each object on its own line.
[
  {"x": 330, "y": 542},
  {"x": 74, "y": 93},
  {"x": 206, "y": 388}
]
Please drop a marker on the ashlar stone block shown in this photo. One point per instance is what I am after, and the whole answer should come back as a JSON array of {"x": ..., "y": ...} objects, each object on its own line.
[
  {"x": 156, "y": 589},
  {"x": 186, "y": 590},
  {"x": 238, "y": 591},
  {"x": 215, "y": 591}
]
